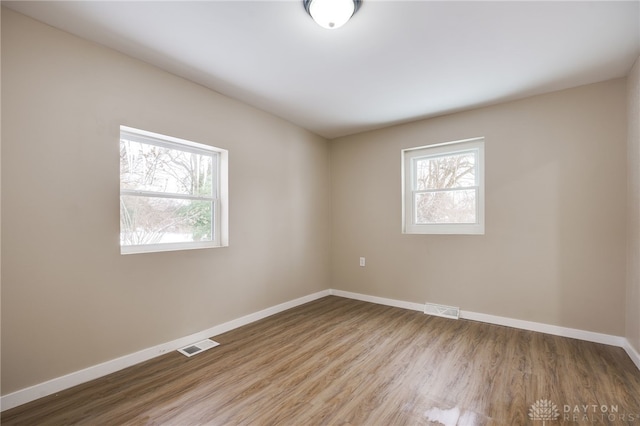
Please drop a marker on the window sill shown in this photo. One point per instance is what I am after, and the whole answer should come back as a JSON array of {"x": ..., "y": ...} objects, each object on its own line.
[
  {"x": 453, "y": 229},
  {"x": 155, "y": 248}
]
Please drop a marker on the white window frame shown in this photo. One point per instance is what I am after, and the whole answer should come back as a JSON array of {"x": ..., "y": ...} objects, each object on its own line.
[
  {"x": 220, "y": 223},
  {"x": 409, "y": 157}
]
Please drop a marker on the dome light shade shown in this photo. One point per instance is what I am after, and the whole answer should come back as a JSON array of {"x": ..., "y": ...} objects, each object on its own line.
[{"x": 331, "y": 14}]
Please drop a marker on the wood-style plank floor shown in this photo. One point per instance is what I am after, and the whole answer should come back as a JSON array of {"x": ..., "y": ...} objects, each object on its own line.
[{"x": 337, "y": 361}]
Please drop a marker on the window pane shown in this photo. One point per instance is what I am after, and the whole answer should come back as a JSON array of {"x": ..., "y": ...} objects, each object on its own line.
[
  {"x": 451, "y": 171},
  {"x": 445, "y": 207},
  {"x": 147, "y": 167},
  {"x": 153, "y": 220}
]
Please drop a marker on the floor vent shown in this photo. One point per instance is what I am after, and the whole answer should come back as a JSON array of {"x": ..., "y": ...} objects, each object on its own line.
[
  {"x": 442, "y": 310},
  {"x": 196, "y": 348}
]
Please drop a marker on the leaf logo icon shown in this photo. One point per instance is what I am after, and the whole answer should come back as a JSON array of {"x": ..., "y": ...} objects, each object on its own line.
[{"x": 544, "y": 410}]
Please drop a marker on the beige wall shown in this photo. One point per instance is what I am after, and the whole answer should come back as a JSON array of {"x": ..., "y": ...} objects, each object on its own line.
[
  {"x": 633, "y": 234},
  {"x": 554, "y": 250},
  {"x": 69, "y": 299}
]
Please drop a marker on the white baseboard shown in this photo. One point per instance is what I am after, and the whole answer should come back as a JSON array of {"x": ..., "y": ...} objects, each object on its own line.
[
  {"x": 58, "y": 384},
  {"x": 573, "y": 333},
  {"x": 633, "y": 353},
  {"x": 78, "y": 377},
  {"x": 379, "y": 300},
  {"x": 555, "y": 330}
]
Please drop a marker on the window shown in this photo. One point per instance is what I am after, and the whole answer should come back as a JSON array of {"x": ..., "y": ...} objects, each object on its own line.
[
  {"x": 173, "y": 193},
  {"x": 443, "y": 188}
]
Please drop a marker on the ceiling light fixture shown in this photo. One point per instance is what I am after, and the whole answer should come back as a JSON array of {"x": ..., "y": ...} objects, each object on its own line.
[{"x": 331, "y": 14}]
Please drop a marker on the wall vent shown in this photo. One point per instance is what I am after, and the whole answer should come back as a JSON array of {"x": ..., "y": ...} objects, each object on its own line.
[
  {"x": 442, "y": 310},
  {"x": 196, "y": 348}
]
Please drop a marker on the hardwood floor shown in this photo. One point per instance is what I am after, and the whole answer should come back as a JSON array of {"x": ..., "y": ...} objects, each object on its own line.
[{"x": 337, "y": 361}]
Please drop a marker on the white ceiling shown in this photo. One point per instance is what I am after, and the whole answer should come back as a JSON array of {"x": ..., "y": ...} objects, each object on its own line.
[{"x": 395, "y": 61}]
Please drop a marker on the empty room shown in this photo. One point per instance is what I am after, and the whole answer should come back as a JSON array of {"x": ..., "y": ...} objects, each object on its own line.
[{"x": 320, "y": 212}]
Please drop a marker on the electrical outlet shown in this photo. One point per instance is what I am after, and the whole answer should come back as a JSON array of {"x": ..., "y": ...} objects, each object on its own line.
[{"x": 362, "y": 261}]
